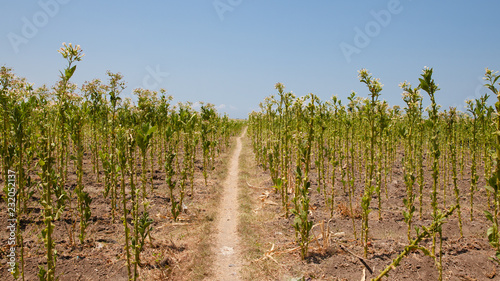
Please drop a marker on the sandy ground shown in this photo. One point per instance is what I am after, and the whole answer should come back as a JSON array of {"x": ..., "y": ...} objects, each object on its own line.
[{"x": 228, "y": 260}]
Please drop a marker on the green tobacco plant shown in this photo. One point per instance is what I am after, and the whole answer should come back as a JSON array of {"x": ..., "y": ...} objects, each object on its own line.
[
  {"x": 207, "y": 128},
  {"x": 286, "y": 100},
  {"x": 383, "y": 123},
  {"x": 171, "y": 183},
  {"x": 140, "y": 222},
  {"x": 21, "y": 113},
  {"x": 64, "y": 92},
  {"x": 413, "y": 99},
  {"x": 134, "y": 192},
  {"x": 162, "y": 116},
  {"x": 188, "y": 120},
  {"x": 143, "y": 138},
  {"x": 144, "y": 228},
  {"x": 146, "y": 104},
  {"x": 419, "y": 147},
  {"x": 50, "y": 181},
  {"x": 422, "y": 233},
  {"x": 7, "y": 80},
  {"x": 474, "y": 107},
  {"x": 375, "y": 87},
  {"x": 76, "y": 122},
  {"x": 494, "y": 181},
  {"x": 301, "y": 221},
  {"x": 452, "y": 140},
  {"x": 428, "y": 85},
  {"x": 20, "y": 106},
  {"x": 335, "y": 153},
  {"x": 108, "y": 171},
  {"x": 350, "y": 153},
  {"x": 96, "y": 111},
  {"x": 121, "y": 152},
  {"x": 487, "y": 131},
  {"x": 170, "y": 156},
  {"x": 116, "y": 86}
]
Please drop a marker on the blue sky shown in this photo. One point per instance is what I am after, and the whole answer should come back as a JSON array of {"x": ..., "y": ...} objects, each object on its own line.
[{"x": 232, "y": 52}]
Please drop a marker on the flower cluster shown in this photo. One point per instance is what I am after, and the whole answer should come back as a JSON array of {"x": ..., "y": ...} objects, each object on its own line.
[
  {"x": 71, "y": 53},
  {"x": 374, "y": 85}
]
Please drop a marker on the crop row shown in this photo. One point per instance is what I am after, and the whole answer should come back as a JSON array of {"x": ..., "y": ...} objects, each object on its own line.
[
  {"x": 305, "y": 141},
  {"x": 46, "y": 132}
]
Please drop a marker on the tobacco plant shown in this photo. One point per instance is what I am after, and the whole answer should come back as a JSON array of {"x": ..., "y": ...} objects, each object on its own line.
[
  {"x": 76, "y": 122},
  {"x": 413, "y": 99},
  {"x": 121, "y": 152},
  {"x": 143, "y": 138},
  {"x": 428, "y": 85},
  {"x": 473, "y": 107},
  {"x": 49, "y": 179},
  {"x": 51, "y": 132},
  {"x": 494, "y": 181},
  {"x": 116, "y": 86},
  {"x": 375, "y": 87},
  {"x": 452, "y": 140},
  {"x": 301, "y": 222},
  {"x": 422, "y": 233}
]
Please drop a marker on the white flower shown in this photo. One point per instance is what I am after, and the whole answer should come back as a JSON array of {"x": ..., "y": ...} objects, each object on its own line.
[{"x": 404, "y": 85}]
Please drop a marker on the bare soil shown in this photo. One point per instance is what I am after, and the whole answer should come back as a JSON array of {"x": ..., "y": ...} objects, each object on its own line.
[
  {"x": 193, "y": 248},
  {"x": 272, "y": 252},
  {"x": 179, "y": 250},
  {"x": 227, "y": 256}
]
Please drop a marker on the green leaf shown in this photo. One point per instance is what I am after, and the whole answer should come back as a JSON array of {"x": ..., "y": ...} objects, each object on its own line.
[
  {"x": 297, "y": 221},
  {"x": 417, "y": 230},
  {"x": 42, "y": 273},
  {"x": 491, "y": 234},
  {"x": 69, "y": 72},
  {"x": 151, "y": 130},
  {"x": 488, "y": 215},
  {"x": 490, "y": 189}
]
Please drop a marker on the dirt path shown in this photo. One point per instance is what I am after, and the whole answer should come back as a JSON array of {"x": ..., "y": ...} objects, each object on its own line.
[{"x": 227, "y": 260}]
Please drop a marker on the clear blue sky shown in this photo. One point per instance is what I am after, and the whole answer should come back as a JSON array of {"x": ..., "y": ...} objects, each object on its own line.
[{"x": 232, "y": 52}]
